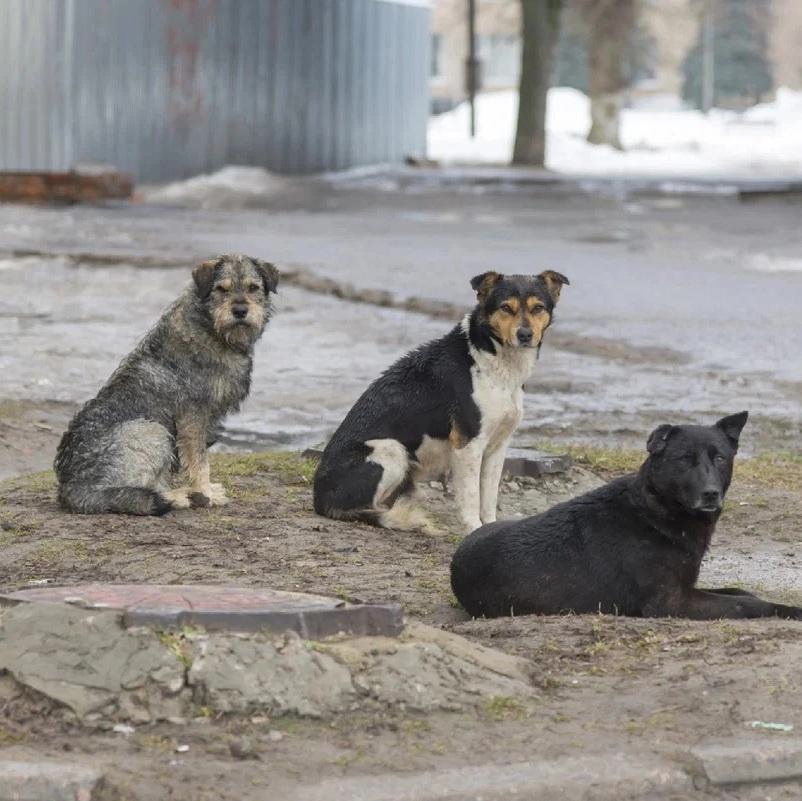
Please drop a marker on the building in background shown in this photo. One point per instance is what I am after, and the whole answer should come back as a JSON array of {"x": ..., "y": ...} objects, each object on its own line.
[
  {"x": 667, "y": 30},
  {"x": 170, "y": 88}
]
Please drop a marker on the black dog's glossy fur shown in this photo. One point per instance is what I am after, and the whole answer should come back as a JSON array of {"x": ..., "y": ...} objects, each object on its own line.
[{"x": 632, "y": 547}]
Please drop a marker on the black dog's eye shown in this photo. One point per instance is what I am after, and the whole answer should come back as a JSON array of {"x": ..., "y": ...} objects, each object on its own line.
[
  {"x": 719, "y": 459},
  {"x": 253, "y": 287},
  {"x": 505, "y": 307}
]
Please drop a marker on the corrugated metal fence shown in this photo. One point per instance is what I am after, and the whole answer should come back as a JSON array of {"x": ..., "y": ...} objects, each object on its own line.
[{"x": 170, "y": 88}]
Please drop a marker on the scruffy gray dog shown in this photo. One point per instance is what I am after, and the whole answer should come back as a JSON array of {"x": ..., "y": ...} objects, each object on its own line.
[{"x": 139, "y": 447}]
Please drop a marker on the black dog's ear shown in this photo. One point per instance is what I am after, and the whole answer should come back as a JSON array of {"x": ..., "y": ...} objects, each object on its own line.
[
  {"x": 732, "y": 426},
  {"x": 203, "y": 276},
  {"x": 269, "y": 273},
  {"x": 482, "y": 284},
  {"x": 554, "y": 283},
  {"x": 658, "y": 438}
]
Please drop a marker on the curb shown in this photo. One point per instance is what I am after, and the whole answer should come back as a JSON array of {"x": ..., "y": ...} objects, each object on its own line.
[
  {"x": 591, "y": 778},
  {"x": 51, "y": 781},
  {"x": 749, "y": 761}
]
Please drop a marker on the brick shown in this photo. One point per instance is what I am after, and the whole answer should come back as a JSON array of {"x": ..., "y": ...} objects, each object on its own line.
[{"x": 64, "y": 187}]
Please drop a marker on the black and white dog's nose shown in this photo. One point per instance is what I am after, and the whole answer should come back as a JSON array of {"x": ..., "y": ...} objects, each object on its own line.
[
  {"x": 524, "y": 335},
  {"x": 240, "y": 310}
]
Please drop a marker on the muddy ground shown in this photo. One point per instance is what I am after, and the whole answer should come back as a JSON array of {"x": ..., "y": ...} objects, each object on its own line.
[{"x": 603, "y": 683}]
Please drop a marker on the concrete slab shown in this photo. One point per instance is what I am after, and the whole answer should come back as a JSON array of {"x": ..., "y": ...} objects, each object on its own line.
[
  {"x": 222, "y": 608},
  {"x": 589, "y": 778},
  {"x": 534, "y": 464},
  {"x": 764, "y": 760},
  {"x": 51, "y": 781}
]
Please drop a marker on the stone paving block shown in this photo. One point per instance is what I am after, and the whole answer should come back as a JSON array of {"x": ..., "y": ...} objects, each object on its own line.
[
  {"x": 613, "y": 777},
  {"x": 223, "y": 608},
  {"x": 51, "y": 781},
  {"x": 750, "y": 760},
  {"x": 534, "y": 464}
]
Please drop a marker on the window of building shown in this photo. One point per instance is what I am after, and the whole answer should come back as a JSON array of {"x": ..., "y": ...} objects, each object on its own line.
[{"x": 501, "y": 59}]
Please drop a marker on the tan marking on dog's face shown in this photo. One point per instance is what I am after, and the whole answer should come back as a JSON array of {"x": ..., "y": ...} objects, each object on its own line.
[
  {"x": 538, "y": 317},
  {"x": 511, "y": 316}
]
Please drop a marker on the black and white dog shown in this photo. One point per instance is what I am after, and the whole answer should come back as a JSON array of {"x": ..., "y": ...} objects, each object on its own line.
[{"x": 451, "y": 405}]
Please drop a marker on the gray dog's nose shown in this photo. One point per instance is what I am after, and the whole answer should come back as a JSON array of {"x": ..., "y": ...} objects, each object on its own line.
[
  {"x": 524, "y": 335},
  {"x": 240, "y": 310}
]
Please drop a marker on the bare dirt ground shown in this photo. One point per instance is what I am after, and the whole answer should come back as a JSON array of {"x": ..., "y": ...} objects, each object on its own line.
[{"x": 603, "y": 683}]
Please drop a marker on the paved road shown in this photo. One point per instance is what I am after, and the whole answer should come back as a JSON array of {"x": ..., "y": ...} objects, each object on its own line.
[{"x": 711, "y": 285}]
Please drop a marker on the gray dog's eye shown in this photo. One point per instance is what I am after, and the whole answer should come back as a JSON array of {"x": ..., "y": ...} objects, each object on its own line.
[
  {"x": 253, "y": 287},
  {"x": 222, "y": 289}
]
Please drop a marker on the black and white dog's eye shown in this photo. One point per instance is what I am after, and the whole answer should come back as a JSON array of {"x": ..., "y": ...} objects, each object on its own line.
[
  {"x": 222, "y": 289},
  {"x": 253, "y": 288}
]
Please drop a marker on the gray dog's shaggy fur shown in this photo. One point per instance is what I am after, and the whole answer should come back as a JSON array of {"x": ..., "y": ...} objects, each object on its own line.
[{"x": 148, "y": 427}]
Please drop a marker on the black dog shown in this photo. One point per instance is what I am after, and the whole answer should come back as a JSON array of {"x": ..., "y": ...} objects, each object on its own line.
[{"x": 632, "y": 547}]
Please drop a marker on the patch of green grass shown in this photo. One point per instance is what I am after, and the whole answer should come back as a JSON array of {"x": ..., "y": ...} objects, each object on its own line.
[
  {"x": 782, "y": 470},
  {"x": 9, "y": 737},
  {"x": 290, "y": 468},
  {"x": 35, "y": 482},
  {"x": 55, "y": 551},
  {"x": 177, "y": 644},
  {"x": 503, "y": 707},
  {"x": 603, "y": 460}
]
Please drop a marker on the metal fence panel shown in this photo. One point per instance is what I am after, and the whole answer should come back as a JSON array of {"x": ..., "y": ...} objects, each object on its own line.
[{"x": 167, "y": 89}]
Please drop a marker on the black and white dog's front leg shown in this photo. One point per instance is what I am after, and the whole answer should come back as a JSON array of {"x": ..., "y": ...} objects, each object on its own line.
[
  {"x": 466, "y": 470},
  {"x": 492, "y": 468},
  {"x": 493, "y": 460}
]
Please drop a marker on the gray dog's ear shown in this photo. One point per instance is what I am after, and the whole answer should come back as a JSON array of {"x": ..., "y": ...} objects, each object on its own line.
[
  {"x": 269, "y": 273},
  {"x": 482, "y": 284},
  {"x": 732, "y": 426},
  {"x": 554, "y": 283},
  {"x": 203, "y": 276},
  {"x": 658, "y": 438}
]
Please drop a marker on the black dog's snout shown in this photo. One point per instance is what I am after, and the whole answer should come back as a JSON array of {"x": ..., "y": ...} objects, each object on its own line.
[
  {"x": 240, "y": 310},
  {"x": 524, "y": 335},
  {"x": 711, "y": 497}
]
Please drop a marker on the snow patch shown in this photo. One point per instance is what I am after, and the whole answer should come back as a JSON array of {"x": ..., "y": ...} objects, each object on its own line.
[
  {"x": 660, "y": 138},
  {"x": 214, "y": 189}
]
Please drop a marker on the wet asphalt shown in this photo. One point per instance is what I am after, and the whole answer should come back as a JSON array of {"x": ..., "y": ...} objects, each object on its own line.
[{"x": 701, "y": 295}]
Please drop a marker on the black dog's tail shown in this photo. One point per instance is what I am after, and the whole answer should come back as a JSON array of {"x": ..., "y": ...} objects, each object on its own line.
[{"x": 121, "y": 500}]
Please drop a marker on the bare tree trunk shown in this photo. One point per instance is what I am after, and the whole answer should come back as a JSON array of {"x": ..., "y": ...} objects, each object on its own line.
[
  {"x": 610, "y": 23},
  {"x": 541, "y": 23}
]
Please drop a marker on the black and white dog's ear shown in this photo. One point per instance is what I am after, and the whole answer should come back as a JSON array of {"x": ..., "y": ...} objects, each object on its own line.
[
  {"x": 732, "y": 427},
  {"x": 659, "y": 437},
  {"x": 554, "y": 283},
  {"x": 269, "y": 273},
  {"x": 203, "y": 276},
  {"x": 482, "y": 284}
]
